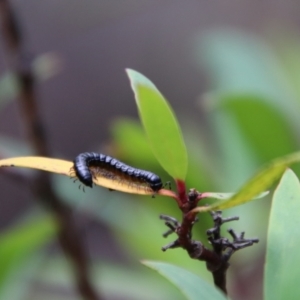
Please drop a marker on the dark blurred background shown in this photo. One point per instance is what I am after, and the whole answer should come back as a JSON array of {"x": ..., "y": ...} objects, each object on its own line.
[{"x": 231, "y": 72}]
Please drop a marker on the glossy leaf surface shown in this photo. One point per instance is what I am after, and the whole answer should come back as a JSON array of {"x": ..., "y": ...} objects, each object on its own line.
[
  {"x": 257, "y": 184},
  {"x": 161, "y": 126},
  {"x": 283, "y": 243}
]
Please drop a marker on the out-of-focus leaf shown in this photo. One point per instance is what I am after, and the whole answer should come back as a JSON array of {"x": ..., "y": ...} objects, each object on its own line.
[
  {"x": 160, "y": 125},
  {"x": 191, "y": 285},
  {"x": 241, "y": 63},
  {"x": 252, "y": 94},
  {"x": 288, "y": 47},
  {"x": 131, "y": 141},
  {"x": 267, "y": 131},
  {"x": 133, "y": 283},
  {"x": 202, "y": 169},
  {"x": 18, "y": 243},
  {"x": 257, "y": 184},
  {"x": 17, "y": 284},
  {"x": 283, "y": 255},
  {"x": 235, "y": 159},
  {"x": 135, "y": 223}
]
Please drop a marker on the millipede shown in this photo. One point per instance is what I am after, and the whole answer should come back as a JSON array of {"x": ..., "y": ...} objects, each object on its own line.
[{"x": 90, "y": 164}]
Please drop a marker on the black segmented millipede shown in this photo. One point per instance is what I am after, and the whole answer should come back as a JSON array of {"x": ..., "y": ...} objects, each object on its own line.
[{"x": 110, "y": 167}]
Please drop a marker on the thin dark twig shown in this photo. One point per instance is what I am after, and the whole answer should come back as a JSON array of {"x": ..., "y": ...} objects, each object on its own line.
[
  {"x": 68, "y": 235},
  {"x": 217, "y": 258}
]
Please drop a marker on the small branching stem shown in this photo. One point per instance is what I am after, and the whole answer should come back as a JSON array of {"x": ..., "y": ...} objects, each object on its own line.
[{"x": 217, "y": 258}]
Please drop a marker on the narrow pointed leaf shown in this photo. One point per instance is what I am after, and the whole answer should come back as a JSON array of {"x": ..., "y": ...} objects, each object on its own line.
[
  {"x": 262, "y": 181},
  {"x": 282, "y": 263},
  {"x": 225, "y": 196},
  {"x": 64, "y": 167},
  {"x": 161, "y": 126},
  {"x": 40, "y": 163},
  {"x": 191, "y": 285},
  {"x": 16, "y": 244}
]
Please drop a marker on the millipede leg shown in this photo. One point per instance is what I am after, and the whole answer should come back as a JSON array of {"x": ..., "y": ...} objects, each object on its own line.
[{"x": 168, "y": 184}]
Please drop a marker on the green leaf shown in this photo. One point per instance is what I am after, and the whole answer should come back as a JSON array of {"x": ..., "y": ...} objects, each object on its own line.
[
  {"x": 270, "y": 135},
  {"x": 225, "y": 196},
  {"x": 161, "y": 126},
  {"x": 242, "y": 63},
  {"x": 18, "y": 243},
  {"x": 192, "y": 286},
  {"x": 137, "y": 151},
  {"x": 288, "y": 47},
  {"x": 235, "y": 157},
  {"x": 262, "y": 181},
  {"x": 15, "y": 287},
  {"x": 283, "y": 256}
]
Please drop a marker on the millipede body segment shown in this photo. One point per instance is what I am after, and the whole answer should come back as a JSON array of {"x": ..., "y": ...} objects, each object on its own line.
[{"x": 89, "y": 164}]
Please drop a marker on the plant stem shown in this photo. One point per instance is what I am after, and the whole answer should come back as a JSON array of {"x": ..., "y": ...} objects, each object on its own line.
[{"x": 68, "y": 235}]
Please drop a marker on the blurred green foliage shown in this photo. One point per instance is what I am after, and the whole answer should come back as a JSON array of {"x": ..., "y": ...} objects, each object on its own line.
[
  {"x": 252, "y": 110},
  {"x": 17, "y": 245}
]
